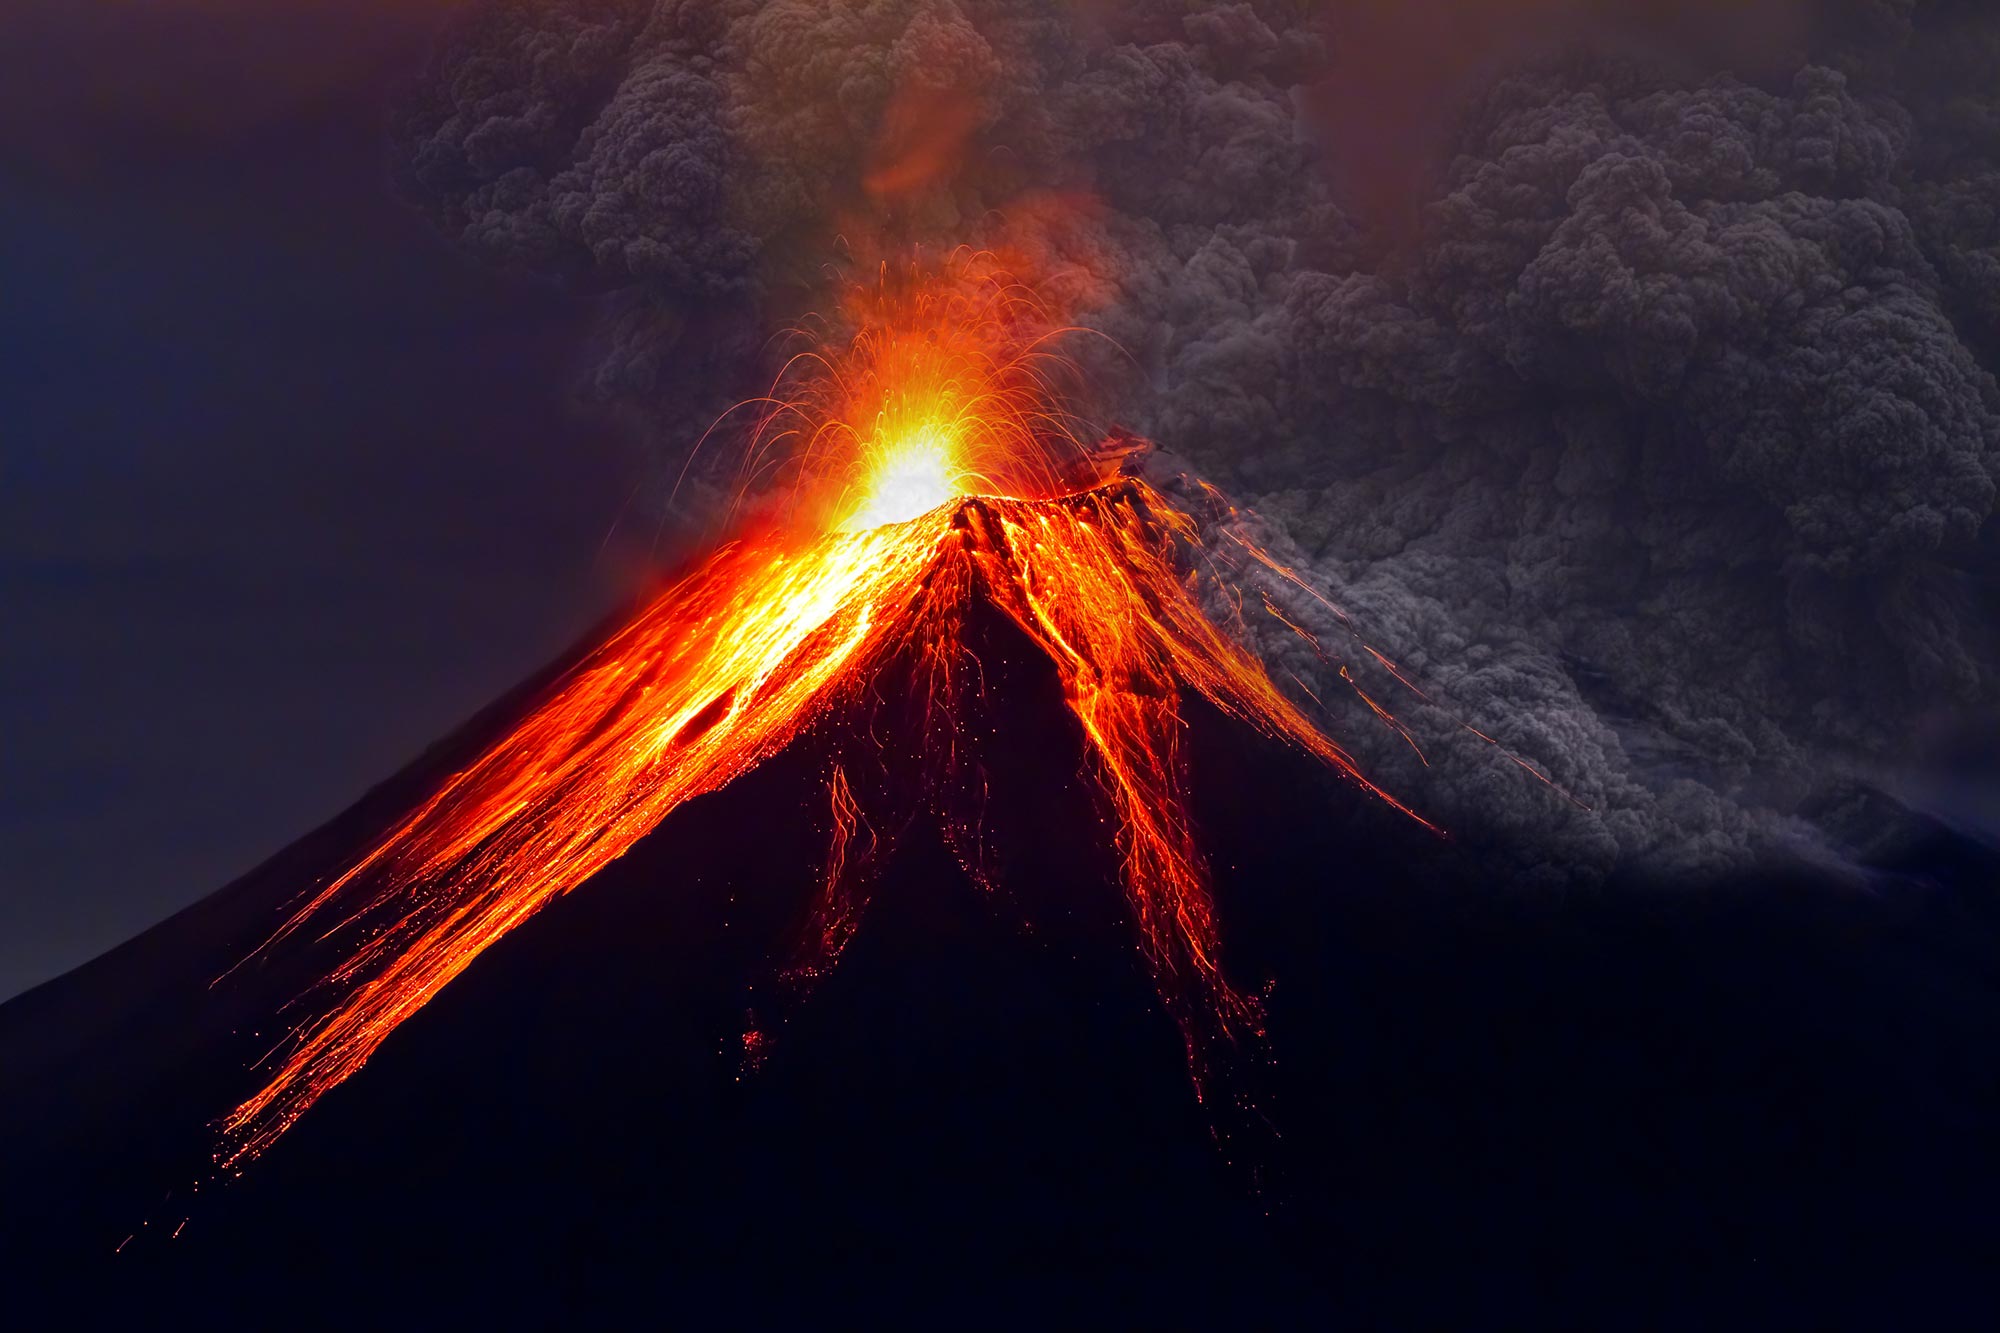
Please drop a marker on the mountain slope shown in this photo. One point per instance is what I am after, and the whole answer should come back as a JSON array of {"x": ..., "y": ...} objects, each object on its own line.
[{"x": 1489, "y": 1105}]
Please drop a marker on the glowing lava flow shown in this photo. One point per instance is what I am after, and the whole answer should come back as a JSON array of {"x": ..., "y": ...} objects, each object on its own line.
[{"x": 729, "y": 665}]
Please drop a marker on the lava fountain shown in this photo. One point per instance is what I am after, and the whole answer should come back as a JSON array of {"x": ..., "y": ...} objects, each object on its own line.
[{"x": 930, "y": 469}]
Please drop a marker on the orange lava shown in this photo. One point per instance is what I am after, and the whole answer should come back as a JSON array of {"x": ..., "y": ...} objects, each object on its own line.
[{"x": 944, "y": 494}]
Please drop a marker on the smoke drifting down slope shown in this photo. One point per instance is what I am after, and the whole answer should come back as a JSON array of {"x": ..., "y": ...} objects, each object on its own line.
[{"x": 1647, "y": 410}]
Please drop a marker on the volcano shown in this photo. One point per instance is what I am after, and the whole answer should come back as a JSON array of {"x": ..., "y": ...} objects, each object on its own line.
[
  {"x": 921, "y": 905},
  {"x": 658, "y": 1092},
  {"x": 978, "y": 782}
]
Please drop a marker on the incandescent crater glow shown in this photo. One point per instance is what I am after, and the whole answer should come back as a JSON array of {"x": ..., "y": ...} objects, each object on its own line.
[{"x": 910, "y": 479}]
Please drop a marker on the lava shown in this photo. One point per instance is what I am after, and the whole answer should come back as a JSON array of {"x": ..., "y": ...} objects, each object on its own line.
[{"x": 933, "y": 474}]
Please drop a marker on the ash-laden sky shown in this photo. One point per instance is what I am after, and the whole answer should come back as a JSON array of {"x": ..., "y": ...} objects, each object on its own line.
[{"x": 1625, "y": 369}]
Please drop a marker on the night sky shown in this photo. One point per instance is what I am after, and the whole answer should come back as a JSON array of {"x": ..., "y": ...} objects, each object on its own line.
[{"x": 287, "y": 488}]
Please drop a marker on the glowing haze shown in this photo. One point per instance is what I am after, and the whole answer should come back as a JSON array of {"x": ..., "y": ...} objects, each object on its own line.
[{"x": 931, "y": 469}]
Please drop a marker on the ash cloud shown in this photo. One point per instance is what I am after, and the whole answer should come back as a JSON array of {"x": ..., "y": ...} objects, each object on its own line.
[{"x": 1645, "y": 410}]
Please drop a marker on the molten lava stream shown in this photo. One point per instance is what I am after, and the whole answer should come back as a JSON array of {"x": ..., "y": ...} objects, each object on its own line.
[{"x": 719, "y": 673}]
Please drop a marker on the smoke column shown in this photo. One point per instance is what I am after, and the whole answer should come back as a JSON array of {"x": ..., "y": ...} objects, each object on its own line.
[{"x": 1625, "y": 370}]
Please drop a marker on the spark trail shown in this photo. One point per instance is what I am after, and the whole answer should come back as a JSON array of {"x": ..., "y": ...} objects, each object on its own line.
[{"x": 955, "y": 486}]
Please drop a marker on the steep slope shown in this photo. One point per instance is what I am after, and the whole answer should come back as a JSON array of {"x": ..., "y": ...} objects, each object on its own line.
[{"x": 1664, "y": 1098}]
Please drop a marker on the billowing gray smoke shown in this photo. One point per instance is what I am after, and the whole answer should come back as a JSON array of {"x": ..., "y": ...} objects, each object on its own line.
[{"x": 1656, "y": 433}]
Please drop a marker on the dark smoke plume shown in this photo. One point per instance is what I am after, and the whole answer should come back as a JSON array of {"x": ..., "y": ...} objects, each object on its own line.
[{"x": 1625, "y": 369}]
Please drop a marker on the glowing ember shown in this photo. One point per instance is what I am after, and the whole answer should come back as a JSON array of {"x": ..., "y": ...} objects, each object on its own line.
[{"x": 933, "y": 437}]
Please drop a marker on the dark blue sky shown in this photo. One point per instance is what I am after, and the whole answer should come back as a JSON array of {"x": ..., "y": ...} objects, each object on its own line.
[{"x": 286, "y": 488}]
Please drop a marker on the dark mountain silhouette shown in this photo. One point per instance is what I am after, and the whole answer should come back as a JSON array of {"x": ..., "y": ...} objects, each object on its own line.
[{"x": 1731, "y": 1101}]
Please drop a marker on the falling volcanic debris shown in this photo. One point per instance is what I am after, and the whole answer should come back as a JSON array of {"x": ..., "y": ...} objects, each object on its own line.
[{"x": 934, "y": 472}]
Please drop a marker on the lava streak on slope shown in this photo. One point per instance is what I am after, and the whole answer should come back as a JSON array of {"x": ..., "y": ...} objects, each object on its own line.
[{"x": 949, "y": 500}]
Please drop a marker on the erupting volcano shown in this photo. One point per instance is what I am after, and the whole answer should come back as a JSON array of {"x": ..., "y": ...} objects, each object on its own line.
[
  {"x": 936, "y": 859},
  {"x": 927, "y": 468}
]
